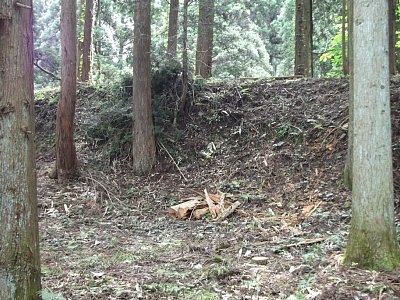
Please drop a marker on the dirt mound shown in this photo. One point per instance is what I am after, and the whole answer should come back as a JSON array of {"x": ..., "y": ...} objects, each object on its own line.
[{"x": 276, "y": 146}]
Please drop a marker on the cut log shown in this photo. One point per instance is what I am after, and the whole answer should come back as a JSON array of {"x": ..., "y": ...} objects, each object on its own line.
[{"x": 183, "y": 210}]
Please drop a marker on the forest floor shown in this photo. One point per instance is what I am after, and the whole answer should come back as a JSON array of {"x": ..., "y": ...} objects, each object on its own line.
[{"x": 278, "y": 147}]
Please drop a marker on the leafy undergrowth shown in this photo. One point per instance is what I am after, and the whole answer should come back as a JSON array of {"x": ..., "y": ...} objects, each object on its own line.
[{"x": 276, "y": 146}]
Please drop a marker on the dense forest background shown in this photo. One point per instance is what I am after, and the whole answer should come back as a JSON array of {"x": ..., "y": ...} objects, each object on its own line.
[{"x": 251, "y": 38}]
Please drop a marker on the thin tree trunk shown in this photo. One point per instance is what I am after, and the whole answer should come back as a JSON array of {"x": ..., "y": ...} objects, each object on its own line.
[
  {"x": 181, "y": 102},
  {"x": 81, "y": 11},
  {"x": 87, "y": 41},
  {"x": 173, "y": 28},
  {"x": 97, "y": 41},
  {"x": 348, "y": 169},
  {"x": 392, "y": 36},
  {"x": 372, "y": 240},
  {"x": 19, "y": 238},
  {"x": 144, "y": 147},
  {"x": 205, "y": 36},
  {"x": 66, "y": 161},
  {"x": 344, "y": 44},
  {"x": 303, "y": 31}
]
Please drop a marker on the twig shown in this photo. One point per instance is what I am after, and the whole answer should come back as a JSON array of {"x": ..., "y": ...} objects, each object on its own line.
[
  {"x": 272, "y": 78},
  {"x": 306, "y": 242},
  {"x": 22, "y": 5},
  {"x": 314, "y": 208},
  {"x": 173, "y": 160},
  {"x": 228, "y": 212},
  {"x": 109, "y": 193},
  {"x": 340, "y": 126}
]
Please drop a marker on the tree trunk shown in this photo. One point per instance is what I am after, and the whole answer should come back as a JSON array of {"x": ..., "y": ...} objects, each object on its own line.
[
  {"x": 372, "y": 240},
  {"x": 81, "y": 17},
  {"x": 19, "y": 238},
  {"x": 97, "y": 41},
  {"x": 344, "y": 44},
  {"x": 392, "y": 36},
  {"x": 144, "y": 147},
  {"x": 66, "y": 161},
  {"x": 303, "y": 48},
  {"x": 87, "y": 41},
  {"x": 205, "y": 39},
  {"x": 173, "y": 28},
  {"x": 348, "y": 169},
  {"x": 181, "y": 103}
]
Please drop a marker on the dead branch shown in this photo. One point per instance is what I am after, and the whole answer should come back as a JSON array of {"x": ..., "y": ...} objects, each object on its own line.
[
  {"x": 173, "y": 160},
  {"x": 228, "y": 211},
  {"x": 46, "y": 71}
]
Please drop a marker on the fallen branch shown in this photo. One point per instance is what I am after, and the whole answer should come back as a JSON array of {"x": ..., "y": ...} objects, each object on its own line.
[
  {"x": 305, "y": 242},
  {"x": 109, "y": 193},
  {"x": 312, "y": 211},
  {"x": 272, "y": 78},
  {"x": 227, "y": 212},
  {"x": 173, "y": 160}
]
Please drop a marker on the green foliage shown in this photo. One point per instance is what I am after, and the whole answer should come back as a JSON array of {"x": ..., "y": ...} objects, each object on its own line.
[
  {"x": 239, "y": 49},
  {"x": 251, "y": 38},
  {"x": 333, "y": 57},
  {"x": 111, "y": 128},
  {"x": 326, "y": 17},
  {"x": 47, "y": 41},
  {"x": 297, "y": 297},
  {"x": 164, "y": 76},
  {"x": 123, "y": 257},
  {"x": 284, "y": 26},
  {"x": 113, "y": 124}
]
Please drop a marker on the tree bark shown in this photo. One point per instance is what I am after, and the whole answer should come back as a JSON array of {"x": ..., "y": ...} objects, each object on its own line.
[
  {"x": 181, "y": 103},
  {"x": 205, "y": 36},
  {"x": 372, "y": 240},
  {"x": 303, "y": 31},
  {"x": 392, "y": 36},
  {"x": 19, "y": 238},
  {"x": 144, "y": 148},
  {"x": 344, "y": 44},
  {"x": 87, "y": 41},
  {"x": 80, "y": 23},
  {"x": 173, "y": 28},
  {"x": 348, "y": 169},
  {"x": 66, "y": 161}
]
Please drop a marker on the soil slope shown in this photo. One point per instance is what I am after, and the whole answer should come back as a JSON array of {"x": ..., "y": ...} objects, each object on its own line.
[{"x": 276, "y": 146}]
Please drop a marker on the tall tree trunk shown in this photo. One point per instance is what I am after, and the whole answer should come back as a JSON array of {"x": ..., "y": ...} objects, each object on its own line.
[
  {"x": 181, "y": 103},
  {"x": 144, "y": 147},
  {"x": 87, "y": 41},
  {"x": 97, "y": 41},
  {"x": 173, "y": 28},
  {"x": 344, "y": 44},
  {"x": 66, "y": 161},
  {"x": 372, "y": 240},
  {"x": 392, "y": 36},
  {"x": 303, "y": 48},
  {"x": 205, "y": 36},
  {"x": 19, "y": 238},
  {"x": 348, "y": 169},
  {"x": 81, "y": 11}
]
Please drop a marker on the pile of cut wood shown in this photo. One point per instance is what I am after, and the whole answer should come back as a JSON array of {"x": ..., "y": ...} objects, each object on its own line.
[{"x": 216, "y": 205}]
